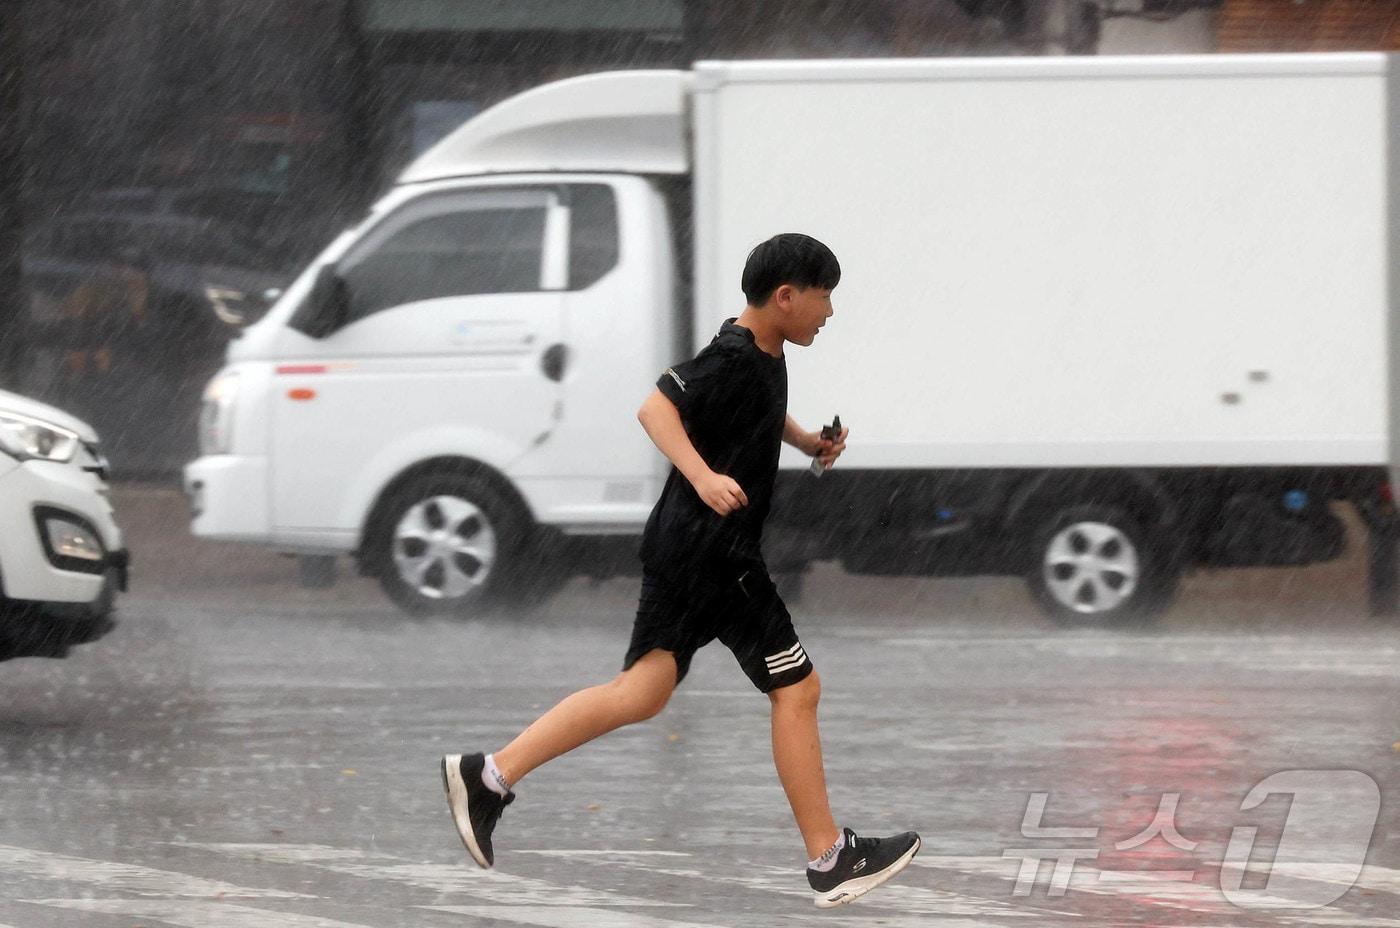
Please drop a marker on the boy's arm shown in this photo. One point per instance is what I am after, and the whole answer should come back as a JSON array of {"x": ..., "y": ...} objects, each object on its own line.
[
  {"x": 662, "y": 422},
  {"x": 799, "y": 438}
]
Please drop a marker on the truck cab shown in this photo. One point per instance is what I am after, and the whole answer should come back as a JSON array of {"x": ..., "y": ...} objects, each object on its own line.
[{"x": 455, "y": 379}]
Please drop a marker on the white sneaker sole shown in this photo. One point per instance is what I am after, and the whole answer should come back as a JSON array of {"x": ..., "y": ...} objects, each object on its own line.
[
  {"x": 457, "y": 803},
  {"x": 853, "y": 889}
]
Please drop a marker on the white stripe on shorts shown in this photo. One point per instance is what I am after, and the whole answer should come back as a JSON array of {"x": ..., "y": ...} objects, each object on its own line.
[
  {"x": 782, "y": 656},
  {"x": 797, "y": 660},
  {"x": 774, "y": 671}
]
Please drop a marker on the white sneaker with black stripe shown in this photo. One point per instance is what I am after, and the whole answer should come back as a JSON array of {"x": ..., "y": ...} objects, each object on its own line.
[{"x": 861, "y": 865}]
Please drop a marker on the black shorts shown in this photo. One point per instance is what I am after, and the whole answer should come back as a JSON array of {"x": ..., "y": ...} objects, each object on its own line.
[{"x": 744, "y": 612}]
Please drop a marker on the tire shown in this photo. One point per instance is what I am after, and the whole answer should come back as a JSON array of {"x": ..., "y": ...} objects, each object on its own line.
[
  {"x": 1094, "y": 566},
  {"x": 447, "y": 544},
  {"x": 544, "y": 566}
]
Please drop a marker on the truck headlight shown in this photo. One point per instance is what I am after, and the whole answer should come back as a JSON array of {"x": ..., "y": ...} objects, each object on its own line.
[
  {"x": 216, "y": 414},
  {"x": 26, "y": 438}
]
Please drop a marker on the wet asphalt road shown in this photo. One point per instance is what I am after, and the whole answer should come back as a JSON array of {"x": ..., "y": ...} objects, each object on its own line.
[{"x": 241, "y": 752}]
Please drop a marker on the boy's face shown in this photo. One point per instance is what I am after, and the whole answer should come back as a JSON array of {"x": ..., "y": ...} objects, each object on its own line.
[{"x": 801, "y": 312}]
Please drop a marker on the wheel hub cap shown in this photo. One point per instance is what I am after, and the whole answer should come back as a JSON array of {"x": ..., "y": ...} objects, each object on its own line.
[
  {"x": 444, "y": 547},
  {"x": 1091, "y": 567}
]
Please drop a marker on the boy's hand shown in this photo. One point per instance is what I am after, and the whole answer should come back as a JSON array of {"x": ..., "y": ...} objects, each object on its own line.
[
  {"x": 827, "y": 450},
  {"x": 721, "y": 493}
]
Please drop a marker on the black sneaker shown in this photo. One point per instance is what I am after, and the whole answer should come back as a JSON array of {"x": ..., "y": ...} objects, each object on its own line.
[
  {"x": 474, "y": 807},
  {"x": 861, "y": 865}
]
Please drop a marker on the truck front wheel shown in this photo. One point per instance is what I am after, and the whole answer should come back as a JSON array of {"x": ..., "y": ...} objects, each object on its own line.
[
  {"x": 445, "y": 544},
  {"x": 1094, "y": 565}
]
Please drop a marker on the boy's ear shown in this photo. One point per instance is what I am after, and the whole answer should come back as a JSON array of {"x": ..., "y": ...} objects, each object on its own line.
[{"x": 783, "y": 295}]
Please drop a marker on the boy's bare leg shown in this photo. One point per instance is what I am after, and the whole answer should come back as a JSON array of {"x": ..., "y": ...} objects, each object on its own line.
[
  {"x": 797, "y": 753},
  {"x": 636, "y": 694}
]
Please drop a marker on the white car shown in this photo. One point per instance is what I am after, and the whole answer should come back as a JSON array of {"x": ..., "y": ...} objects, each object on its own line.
[{"x": 62, "y": 557}]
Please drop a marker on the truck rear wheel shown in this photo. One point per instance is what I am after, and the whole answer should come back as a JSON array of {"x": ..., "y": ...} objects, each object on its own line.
[
  {"x": 446, "y": 544},
  {"x": 1094, "y": 565}
]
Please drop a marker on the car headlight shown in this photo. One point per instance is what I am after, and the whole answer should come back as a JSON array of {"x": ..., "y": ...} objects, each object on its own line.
[
  {"x": 216, "y": 414},
  {"x": 27, "y": 439}
]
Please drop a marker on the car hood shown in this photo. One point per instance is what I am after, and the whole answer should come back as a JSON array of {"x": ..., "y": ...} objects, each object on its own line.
[{"x": 13, "y": 402}]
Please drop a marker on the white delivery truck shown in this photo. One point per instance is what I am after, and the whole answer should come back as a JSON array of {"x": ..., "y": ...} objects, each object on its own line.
[{"x": 1101, "y": 320}]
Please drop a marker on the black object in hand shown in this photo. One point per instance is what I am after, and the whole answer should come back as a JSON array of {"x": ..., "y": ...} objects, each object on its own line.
[{"x": 829, "y": 433}]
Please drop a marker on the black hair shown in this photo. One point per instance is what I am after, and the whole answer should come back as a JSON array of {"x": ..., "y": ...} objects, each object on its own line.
[{"x": 790, "y": 258}]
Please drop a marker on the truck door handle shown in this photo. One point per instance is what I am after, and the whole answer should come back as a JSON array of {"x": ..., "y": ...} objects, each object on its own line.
[{"x": 555, "y": 358}]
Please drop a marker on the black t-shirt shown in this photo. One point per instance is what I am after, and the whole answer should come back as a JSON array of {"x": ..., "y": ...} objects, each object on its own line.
[{"x": 732, "y": 399}]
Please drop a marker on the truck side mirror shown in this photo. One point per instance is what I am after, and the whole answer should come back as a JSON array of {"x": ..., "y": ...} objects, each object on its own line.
[{"x": 326, "y": 307}]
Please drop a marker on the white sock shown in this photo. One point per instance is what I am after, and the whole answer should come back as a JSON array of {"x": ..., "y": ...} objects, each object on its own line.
[
  {"x": 491, "y": 778},
  {"x": 828, "y": 859}
]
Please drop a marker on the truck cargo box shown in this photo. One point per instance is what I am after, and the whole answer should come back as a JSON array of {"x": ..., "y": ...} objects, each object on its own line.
[{"x": 1071, "y": 263}]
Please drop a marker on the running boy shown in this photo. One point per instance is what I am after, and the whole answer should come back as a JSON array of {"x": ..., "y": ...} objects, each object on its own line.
[{"x": 719, "y": 418}]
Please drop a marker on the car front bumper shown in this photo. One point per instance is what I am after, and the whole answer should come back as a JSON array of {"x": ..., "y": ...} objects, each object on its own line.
[
  {"x": 120, "y": 561},
  {"x": 34, "y": 492}
]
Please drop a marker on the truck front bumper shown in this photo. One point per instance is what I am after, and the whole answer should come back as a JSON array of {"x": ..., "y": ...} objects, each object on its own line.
[{"x": 228, "y": 497}]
